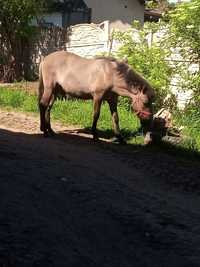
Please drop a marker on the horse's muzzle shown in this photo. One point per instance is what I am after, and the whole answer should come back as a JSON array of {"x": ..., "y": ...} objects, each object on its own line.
[{"x": 144, "y": 115}]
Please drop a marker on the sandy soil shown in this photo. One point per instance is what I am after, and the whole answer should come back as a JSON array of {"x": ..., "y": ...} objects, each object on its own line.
[{"x": 67, "y": 201}]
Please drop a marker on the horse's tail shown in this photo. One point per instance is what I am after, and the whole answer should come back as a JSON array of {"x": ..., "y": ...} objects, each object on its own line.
[{"x": 41, "y": 84}]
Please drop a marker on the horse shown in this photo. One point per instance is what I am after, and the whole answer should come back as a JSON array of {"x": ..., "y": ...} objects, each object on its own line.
[{"x": 100, "y": 79}]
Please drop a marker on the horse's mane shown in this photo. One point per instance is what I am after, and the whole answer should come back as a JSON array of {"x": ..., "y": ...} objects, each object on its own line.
[{"x": 129, "y": 74}]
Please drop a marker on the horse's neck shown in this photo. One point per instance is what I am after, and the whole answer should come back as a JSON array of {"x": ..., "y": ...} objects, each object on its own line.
[{"x": 122, "y": 91}]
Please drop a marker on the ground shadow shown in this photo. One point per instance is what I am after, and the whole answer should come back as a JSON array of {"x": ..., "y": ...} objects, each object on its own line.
[
  {"x": 167, "y": 143},
  {"x": 108, "y": 133},
  {"x": 67, "y": 201}
]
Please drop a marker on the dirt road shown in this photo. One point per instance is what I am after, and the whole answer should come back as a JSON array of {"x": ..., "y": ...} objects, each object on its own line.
[{"x": 70, "y": 202}]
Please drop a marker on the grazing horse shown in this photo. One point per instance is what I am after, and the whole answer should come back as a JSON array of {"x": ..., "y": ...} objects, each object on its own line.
[{"x": 101, "y": 78}]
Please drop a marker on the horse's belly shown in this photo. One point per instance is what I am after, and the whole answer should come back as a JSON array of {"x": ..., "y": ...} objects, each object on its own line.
[
  {"x": 75, "y": 87},
  {"x": 79, "y": 94}
]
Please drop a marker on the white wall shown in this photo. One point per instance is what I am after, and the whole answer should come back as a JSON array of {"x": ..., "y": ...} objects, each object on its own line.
[
  {"x": 89, "y": 40},
  {"x": 120, "y": 13}
]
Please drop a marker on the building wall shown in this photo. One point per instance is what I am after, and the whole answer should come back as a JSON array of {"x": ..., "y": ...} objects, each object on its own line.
[{"x": 120, "y": 13}]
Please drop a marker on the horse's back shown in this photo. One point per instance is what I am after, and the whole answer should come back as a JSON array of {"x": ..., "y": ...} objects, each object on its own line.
[
  {"x": 77, "y": 76},
  {"x": 56, "y": 60},
  {"x": 60, "y": 65}
]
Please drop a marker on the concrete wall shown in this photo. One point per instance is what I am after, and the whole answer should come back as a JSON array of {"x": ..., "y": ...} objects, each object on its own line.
[
  {"x": 120, "y": 13},
  {"x": 89, "y": 40}
]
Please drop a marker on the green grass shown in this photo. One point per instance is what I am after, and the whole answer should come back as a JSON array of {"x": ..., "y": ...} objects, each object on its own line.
[
  {"x": 191, "y": 129},
  {"x": 79, "y": 113},
  {"x": 18, "y": 99},
  {"x": 72, "y": 112}
]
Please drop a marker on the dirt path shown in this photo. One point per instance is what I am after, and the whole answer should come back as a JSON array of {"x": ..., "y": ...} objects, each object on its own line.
[{"x": 70, "y": 202}]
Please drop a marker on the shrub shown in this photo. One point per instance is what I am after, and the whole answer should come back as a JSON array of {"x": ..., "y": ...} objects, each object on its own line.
[{"x": 148, "y": 58}]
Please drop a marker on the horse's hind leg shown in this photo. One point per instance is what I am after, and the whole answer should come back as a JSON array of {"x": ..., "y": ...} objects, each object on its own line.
[
  {"x": 43, "y": 105},
  {"x": 115, "y": 118},
  {"x": 96, "y": 112},
  {"x": 42, "y": 117},
  {"x": 47, "y": 116}
]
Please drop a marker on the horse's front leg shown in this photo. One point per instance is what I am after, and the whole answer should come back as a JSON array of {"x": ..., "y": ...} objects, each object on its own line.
[
  {"x": 115, "y": 119},
  {"x": 96, "y": 112},
  {"x": 147, "y": 127}
]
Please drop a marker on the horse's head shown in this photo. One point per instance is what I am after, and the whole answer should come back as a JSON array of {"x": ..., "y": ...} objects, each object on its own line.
[
  {"x": 133, "y": 85},
  {"x": 142, "y": 95},
  {"x": 142, "y": 103}
]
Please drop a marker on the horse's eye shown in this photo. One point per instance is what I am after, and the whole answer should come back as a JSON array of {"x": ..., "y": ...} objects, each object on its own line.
[{"x": 134, "y": 90}]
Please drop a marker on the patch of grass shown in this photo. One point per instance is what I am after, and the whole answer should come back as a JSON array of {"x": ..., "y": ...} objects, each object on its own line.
[
  {"x": 191, "y": 130},
  {"x": 11, "y": 98},
  {"x": 73, "y": 112},
  {"x": 79, "y": 113}
]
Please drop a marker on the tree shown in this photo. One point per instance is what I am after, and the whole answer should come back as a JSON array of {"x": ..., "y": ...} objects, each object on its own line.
[
  {"x": 15, "y": 31},
  {"x": 184, "y": 34},
  {"x": 161, "y": 5},
  {"x": 184, "y": 24}
]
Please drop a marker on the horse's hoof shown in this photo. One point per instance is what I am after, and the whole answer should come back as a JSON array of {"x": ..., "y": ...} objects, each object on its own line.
[
  {"x": 118, "y": 140},
  {"x": 42, "y": 128},
  {"x": 51, "y": 133},
  {"x": 122, "y": 141},
  {"x": 45, "y": 134},
  {"x": 95, "y": 138}
]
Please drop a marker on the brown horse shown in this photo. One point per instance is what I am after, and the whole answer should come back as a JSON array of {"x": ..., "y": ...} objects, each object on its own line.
[{"x": 98, "y": 79}]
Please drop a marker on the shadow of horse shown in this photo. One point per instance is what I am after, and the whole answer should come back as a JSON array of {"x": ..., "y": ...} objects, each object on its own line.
[{"x": 107, "y": 135}]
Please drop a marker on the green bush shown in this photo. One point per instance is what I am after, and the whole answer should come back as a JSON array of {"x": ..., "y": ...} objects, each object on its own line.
[
  {"x": 184, "y": 34},
  {"x": 149, "y": 59}
]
